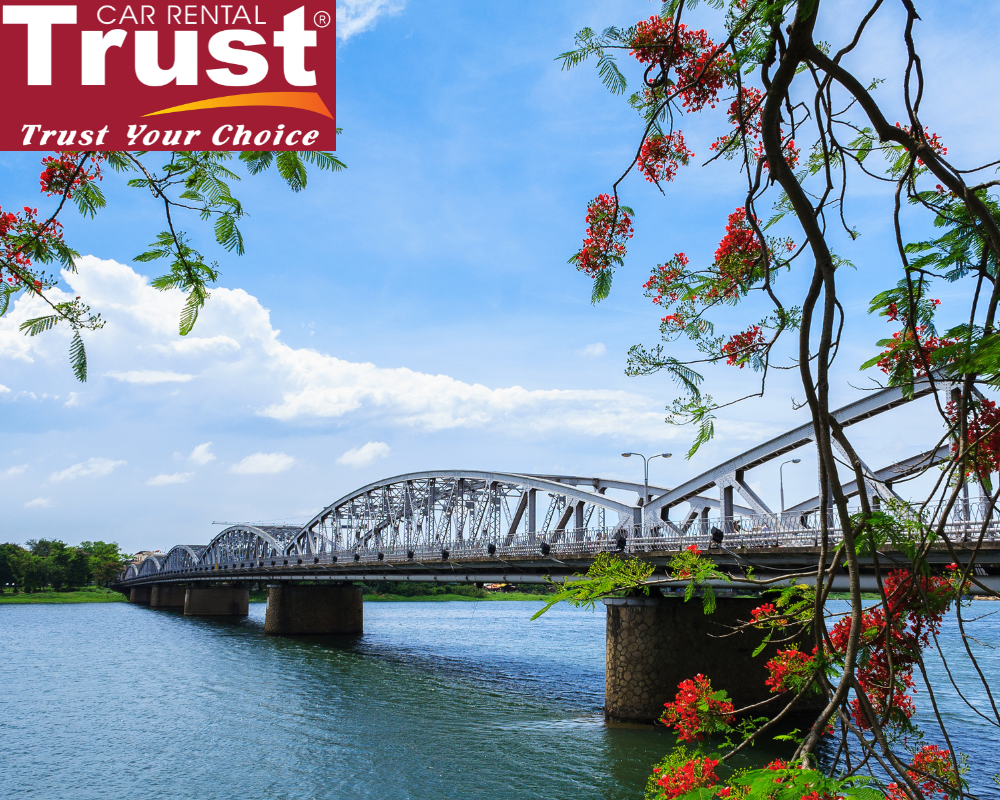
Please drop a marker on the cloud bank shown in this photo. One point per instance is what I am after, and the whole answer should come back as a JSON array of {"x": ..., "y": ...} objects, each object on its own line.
[{"x": 235, "y": 345}]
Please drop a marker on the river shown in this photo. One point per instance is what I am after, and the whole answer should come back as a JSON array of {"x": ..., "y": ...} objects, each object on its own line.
[{"x": 437, "y": 701}]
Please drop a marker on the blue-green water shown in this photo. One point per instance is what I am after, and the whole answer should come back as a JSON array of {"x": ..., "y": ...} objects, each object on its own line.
[{"x": 435, "y": 701}]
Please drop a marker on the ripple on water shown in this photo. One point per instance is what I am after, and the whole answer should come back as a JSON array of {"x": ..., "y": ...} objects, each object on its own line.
[{"x": 436, "y": 700}]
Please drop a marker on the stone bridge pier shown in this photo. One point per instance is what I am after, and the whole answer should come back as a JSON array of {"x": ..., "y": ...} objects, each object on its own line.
[
  {"x": 140, "y": 595},
  {"x": 216, "y": 601},
  {"x": 654, "y": 643},
  {"x": 167, "y": 595},
  {"x": 294, "y": 610}
]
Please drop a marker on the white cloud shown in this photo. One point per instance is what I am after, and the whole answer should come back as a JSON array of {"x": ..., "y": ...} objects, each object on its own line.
[
  {"x": 194, "y": 345},
  {"x": 73, "y": 400},
  {"x": 301, "y": 385},
  {"x": 10, "y": 472},
  {"x": 263, "y": 464},
  {"x": 355, "y": 16},
  {"x": 91, "y": 468},
  {"x": 166, "y": 480},
  {"x": 364, "y": 455},
  {"x": 595, "y": 350},
  {"x": 202, "y": 454},
  {"x": 38, "y": 502},
  {"x": 3, "y": 389},
  {"x": 150, "y": 376}
]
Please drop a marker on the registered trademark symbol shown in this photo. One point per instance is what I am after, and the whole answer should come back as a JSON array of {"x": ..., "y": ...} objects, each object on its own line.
[{"x": 322, "y": 19}]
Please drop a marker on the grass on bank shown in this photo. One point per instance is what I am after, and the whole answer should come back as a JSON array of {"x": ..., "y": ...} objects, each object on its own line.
[{"x": 89, "y": 595}]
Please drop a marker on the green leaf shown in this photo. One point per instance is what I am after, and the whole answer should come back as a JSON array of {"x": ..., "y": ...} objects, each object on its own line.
[
  {"x": 78, "y": 357},
  {"x": 38, "y": 325},
  {"x": 602, "y": 286}
]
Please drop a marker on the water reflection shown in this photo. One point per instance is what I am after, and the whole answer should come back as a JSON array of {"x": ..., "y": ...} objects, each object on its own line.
[{"x": 442, "y": 700}]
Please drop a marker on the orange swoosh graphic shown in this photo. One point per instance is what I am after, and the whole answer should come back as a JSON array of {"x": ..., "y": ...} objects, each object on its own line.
[{"x": 307, "y": 101}]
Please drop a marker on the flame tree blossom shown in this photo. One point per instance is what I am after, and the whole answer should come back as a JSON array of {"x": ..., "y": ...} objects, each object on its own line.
[
  {"x": 661, "y": 154},
  {"x": 698, "y": 710},
  {"x": 892, "y": 638}
]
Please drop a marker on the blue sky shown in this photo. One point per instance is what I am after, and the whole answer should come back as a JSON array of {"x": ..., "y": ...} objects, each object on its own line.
[{"x": 416, "y": 311}]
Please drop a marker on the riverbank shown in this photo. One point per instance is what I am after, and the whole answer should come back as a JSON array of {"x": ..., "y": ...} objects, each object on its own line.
[{"x": 49, "y": 596}]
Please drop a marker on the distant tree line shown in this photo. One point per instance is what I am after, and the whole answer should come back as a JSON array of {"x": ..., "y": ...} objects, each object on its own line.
[{"x": 52, "y": 563}]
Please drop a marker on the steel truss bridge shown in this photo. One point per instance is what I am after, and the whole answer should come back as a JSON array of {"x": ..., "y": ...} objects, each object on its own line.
[{"x": 475, "y": 526}]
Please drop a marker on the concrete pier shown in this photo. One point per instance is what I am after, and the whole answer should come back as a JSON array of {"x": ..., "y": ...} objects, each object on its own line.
[
  {"x": 298, "y": 610},
  {"x": 216, "y": 601},
  {"x": 140, "y": 595},
  {"x": 167, "y": 595},
  {"x": 655, "y": 643}
]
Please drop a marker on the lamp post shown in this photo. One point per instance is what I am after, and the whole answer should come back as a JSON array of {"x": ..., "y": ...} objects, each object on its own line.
[
  {"x": 645, "y": 478},
  {"x": 781, "y": 481}
]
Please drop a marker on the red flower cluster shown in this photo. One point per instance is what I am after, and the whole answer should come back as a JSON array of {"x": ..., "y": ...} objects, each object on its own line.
[
  {"x": 745, "y": 116},
  {"x": 929, "y": 760},
  {"x": 982, "y": 438},
  {"x": 741, "y": 346},
  {"x": 63, "y": 173},
  {"x": 701, "y": 72},
  {"x": 18, "y": 233},
  {"x": 661, "y": 154},
  {"x": 609, "y": 227},
  {"x": 736, "y": 256},
  {"x": 790, "y": 152},
  {"x": 932, "y": 140},
  {"x": 698, "y": 709},
  {"x": 764, "y": 615},
  {"x": 664, "y": 287},
  {"x": 790, "y": 670},
  {"x": 694, "y": 774},
  {"x": 898, "y": 637},
  {"x": 906, "y": 349}
]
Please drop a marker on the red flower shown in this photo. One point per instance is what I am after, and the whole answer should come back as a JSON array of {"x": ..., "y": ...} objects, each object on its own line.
[
  {"x": 64, "y": 173},
  {"x": 982, "y": 439},
  {"x": 741, "y": 347},
  {"x": 790, "y": 669},
  {"x": 700, "y": 71},
  {"x": 929, "y": 763},
  {"x": 609, "y": 226},
  {"x": 660, "y": 156},
  {"x": 694, "y": 774},
  {"x": 698, "y": 709},
  {"x": 916, "y": 606}
]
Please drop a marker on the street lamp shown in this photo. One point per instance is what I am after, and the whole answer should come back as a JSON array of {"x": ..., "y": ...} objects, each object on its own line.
[
  {"x": 645, "y": 478},
  {"x": 781, "y": 480}
]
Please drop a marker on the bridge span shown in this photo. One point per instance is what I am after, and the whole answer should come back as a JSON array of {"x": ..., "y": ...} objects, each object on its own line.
[{"x": 471, "y": 526}]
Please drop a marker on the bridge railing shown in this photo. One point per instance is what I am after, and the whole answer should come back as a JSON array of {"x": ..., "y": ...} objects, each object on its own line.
[{"x": 965, "y": 523}]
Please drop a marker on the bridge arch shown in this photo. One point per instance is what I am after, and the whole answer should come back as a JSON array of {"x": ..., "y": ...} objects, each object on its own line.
[
  {"x": 182, "y": 558},
  {"x": 462, "y": 510},
  {"x": 239, "y": 544},
  {"x": 150, "y": 566}
]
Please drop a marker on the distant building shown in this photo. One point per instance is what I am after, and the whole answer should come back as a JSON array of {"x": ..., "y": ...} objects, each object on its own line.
[{"x": 142, "y": 555}]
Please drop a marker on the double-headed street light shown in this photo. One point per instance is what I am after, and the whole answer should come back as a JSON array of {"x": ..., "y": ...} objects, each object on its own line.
[
  {"x": 781, "y": 481},
  {"x": 645, "y": 478}
]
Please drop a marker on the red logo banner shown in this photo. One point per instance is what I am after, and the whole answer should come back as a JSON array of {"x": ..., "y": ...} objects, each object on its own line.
[{"x": 162, "y": 76}]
